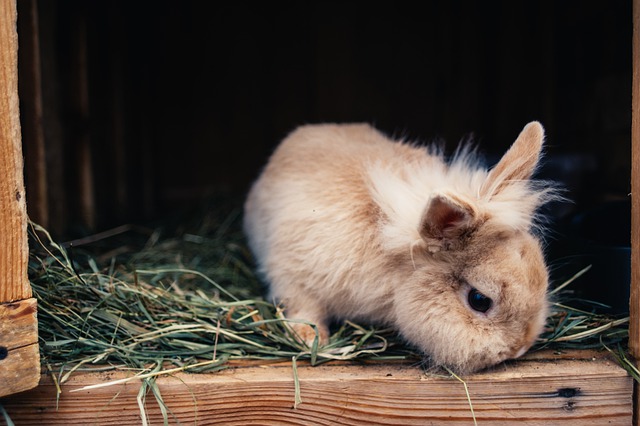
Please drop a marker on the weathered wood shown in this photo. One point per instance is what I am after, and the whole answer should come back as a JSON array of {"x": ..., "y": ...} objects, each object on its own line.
[
  {"x": 117, "y": 111},
  {"x": 82, "y": 143},
  {"x": 634, "y": 327},
  {"x": 19, "y": 356},
  {"x": 19, "y": 352},
  {"x": 14, "y": 284},
  {"x": 543, "y": 390},
  {"x": 30, "y": 88},
  {"x": 634, "y": 302}
]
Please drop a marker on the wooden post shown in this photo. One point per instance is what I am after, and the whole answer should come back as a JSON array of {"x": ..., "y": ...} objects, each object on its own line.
[
  {"x": 19, "y": 354},
  {"x": 634, "y": 302},
  {"x": 82, "y": 144},
  {"x": 117, "y": 110},
  {"x": 30, "y": 88},
  {"x": 581, "y": 390}
]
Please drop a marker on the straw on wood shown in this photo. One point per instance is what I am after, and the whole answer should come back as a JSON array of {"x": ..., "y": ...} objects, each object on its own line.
[{"x": 192, "y": 302}]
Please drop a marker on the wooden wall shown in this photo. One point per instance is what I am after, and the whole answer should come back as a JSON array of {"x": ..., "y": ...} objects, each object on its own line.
[
  {"x": 19, "y": 352},
  {"x": 147, "y": 106}
]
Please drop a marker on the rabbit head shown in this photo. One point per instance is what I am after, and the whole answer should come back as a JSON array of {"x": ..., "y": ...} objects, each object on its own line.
[{"x": 478, "y": 293}]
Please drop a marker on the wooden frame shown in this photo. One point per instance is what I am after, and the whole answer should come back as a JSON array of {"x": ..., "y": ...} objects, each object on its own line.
[
  {"x": 634, "y": 301},
  {"x": 547, "y": 388},
  {"x": 19, "y": 354}
]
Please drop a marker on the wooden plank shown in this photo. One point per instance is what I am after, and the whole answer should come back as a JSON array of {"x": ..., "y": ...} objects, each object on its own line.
[
  {"x": 590, "y": 390},
  {"x": 634, "y": 307},
  {"x": 19, "y": 352},
  {"x": 14, "y": 284},
  {"x": 117, "y": 109},
  {"x": 19, "y": 355},
  {"x": 30, "y": 90},
  {"x": 634, "y": 301},
  {"x": 82, "y": 143},
  {"x": 52, "y": 83}
]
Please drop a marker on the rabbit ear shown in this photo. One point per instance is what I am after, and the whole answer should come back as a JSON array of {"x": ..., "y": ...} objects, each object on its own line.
[
  {"x": 444, "y": 221},
  {"x": 518, "y": 163}
]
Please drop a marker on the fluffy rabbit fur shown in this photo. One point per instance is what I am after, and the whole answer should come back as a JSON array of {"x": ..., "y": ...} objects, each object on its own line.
[{"x": 348, "y": 224}]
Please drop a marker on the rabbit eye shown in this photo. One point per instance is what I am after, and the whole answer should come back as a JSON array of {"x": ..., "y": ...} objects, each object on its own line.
[{"x": 478, "y": 301}]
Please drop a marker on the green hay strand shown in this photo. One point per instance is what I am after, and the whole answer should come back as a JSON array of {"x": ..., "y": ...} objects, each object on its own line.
[
  {"x": 466, "y": 391},
  {"x": 5, "y": 416}
]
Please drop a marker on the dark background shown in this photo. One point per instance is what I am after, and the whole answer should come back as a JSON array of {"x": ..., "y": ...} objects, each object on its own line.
[{"x": 174, "y": 101}]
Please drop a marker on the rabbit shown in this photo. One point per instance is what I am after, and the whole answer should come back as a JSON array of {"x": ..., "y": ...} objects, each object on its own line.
[{"x": 347, "y": 224}]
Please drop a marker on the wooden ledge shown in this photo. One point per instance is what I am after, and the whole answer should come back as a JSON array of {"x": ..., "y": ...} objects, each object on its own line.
[
  {"x": 585, "y": 388},
  {"x": 19, "y": 352}
]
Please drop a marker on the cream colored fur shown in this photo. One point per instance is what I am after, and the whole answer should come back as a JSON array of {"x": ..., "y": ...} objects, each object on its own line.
[{"x": 347, "y": 224}]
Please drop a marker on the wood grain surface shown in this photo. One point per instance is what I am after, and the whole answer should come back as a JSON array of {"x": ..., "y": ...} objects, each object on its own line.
[
  {"x": 19, "y": 352},
  {"x": 14, "y": 284},
  {"x": 634, "y": 300},
  {"x": 544, "y": 390}
]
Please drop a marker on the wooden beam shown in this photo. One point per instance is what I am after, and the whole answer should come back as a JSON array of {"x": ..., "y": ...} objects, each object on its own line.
[
  {"x": 19, "y": 355},
  {"x": 82, "y": 144},
  {"x": 587, "y": 390},
  {"x": 14, "y": 284},
  {"x": 19, "y": 351},
  {"x": 634, "y": 301},
  {"x": 30, "y": 89},
  {"x": 634, "y": 328},
  {"x": 56, "y": 140}
]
